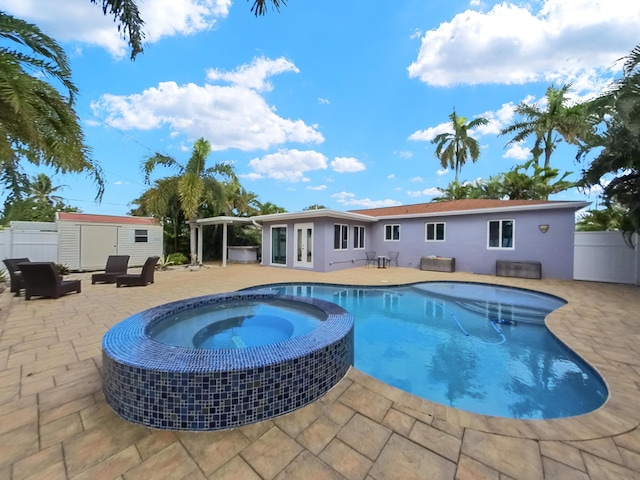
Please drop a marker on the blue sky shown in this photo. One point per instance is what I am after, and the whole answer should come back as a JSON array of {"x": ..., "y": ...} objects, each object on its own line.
[{"x": 327, "y": 102}]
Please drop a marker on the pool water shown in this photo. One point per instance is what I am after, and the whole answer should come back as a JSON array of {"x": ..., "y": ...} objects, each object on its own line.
[
  {"x": 476, "y": 347},
  {"x": 239, "y": 324}
]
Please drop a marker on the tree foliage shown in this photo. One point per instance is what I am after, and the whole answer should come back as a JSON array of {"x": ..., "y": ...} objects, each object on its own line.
[
  {"x": 616, "y": 167},
  {"x": 516, "y": 184},
  {"x": 454, "y": 148},
  {"x": 38, "y": 122},
  {"x": 549, "y": 126}
]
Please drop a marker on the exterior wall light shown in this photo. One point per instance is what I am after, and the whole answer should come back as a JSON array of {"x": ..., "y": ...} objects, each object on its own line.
[{"x": 543, "y": 228}]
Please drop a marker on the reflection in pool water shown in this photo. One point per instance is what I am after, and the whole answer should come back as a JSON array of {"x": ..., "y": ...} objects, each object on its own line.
[{"x": 476, "y": 347}]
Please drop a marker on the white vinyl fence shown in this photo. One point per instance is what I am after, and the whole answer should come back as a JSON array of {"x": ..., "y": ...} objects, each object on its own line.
[
  {"x": 605, "y": 257},
  {"x": 37, "y": 244}
]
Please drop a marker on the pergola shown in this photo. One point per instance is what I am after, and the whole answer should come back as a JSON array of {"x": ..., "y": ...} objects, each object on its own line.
[{"x": 196, "y": 235}]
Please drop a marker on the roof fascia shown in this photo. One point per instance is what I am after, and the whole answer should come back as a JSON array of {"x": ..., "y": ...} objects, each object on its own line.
[{"x": 479, "y": 211}]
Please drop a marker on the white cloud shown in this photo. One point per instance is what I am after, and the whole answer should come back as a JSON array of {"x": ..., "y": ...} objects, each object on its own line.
[
  {"x": 347, "y": 165},
  {"x": 289, "y": 165},
  {"x": 348, "y": 199},
  {"x": 228, "y": 116},
  {"x": 517, "y": 151},
  {"x": 404, "y": 153},
  {"x": 416, "y": 179},
  {"x": 427, "y": 192},
  {"x": 323, "y": 101},
  {"x": 391, "y": 176},
  {"x": 255, "y": 74},
  {"x": 563, "y": 40},
  {"x": 441, "y": 172},
  {"x": 81, "y": 21},
  {"x": 319, "y": 188}
]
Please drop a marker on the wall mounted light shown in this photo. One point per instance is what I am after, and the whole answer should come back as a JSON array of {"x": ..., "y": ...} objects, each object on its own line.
[{"x": 543, "y": 228}]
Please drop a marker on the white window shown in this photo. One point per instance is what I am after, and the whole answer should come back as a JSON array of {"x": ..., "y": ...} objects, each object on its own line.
[
  {"x": 434, "y": 232},
  {"x": 392, "y": 233},
  {"x": 340, "y": 237},
  {"x": 358, "y": 238},
  {"x": 501, "y": 234}
]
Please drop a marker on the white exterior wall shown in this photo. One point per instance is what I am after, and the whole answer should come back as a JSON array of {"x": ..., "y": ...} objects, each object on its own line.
[
  {"x": 605, "y": 257},
  {"x": 69, "y": 245},
  {"x": 139, "y": 251}
]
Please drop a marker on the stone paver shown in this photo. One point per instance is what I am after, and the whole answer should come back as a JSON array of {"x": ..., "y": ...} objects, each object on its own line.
[{"x": 55, "y": 423}]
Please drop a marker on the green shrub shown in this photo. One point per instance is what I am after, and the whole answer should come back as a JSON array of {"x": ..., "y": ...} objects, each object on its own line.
[
  {"x": 63, "y": 269},
  {"x": 177, "y": 258}
]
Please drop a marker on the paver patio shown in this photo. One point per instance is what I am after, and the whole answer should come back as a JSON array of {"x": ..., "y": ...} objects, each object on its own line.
[{"x": 55, "y": 424}]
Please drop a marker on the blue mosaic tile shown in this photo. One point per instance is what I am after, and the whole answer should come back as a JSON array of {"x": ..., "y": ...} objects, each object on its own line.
[{"x": 177, "y": 388}]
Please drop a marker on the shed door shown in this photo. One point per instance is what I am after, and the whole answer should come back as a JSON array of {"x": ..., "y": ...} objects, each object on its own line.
[{"x": 97, "y": 242}]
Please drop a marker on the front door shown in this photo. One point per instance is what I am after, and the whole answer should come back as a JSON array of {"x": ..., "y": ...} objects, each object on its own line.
[{"x": 303, "y": 245}]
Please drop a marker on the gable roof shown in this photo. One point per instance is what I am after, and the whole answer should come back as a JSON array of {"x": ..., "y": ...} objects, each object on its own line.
[
  {"x": 468, "y": 206},
  {"x": 89, "y": 217}
]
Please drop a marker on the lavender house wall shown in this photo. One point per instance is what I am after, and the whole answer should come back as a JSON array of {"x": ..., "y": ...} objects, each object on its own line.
[{"x": 466, "y": 240}]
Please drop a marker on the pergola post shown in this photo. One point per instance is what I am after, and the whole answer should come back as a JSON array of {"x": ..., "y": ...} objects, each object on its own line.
[
  {"x": 200, "y": 243},
  {"x": 224, "y": 244}
]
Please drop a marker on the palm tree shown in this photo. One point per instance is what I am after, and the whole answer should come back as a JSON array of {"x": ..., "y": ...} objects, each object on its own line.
[
  {"x": 454, "y": 191},
  {"x": 269, "y": 208},
  {"x": 454, "y": 148},
  {"x": 162, "y": 202},
  {"x": 42, "y": 190},
  {"x": 550, "y": 126},
  {"x": 613, "y": 217},
  {"x": 197, "y": 186},
  {"x": 37, "y": 122},
  {"x": 619, "y": 143}
]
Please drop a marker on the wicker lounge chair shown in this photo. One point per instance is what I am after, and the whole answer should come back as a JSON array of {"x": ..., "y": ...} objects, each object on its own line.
[
  {"x": 42, "y": 279},
  {"x": 140, "y": 279},
  {"x": 15, "y": 274},
  {"x": 116, "y": 265}
]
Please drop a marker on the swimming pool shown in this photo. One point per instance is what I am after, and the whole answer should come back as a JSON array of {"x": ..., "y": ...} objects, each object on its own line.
[{"x": 476, "y": 347}]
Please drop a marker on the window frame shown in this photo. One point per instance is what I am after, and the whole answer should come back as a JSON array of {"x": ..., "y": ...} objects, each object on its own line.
[
  {"x": 501, "y": 222},
  {"x": 435, "y": 232},
  {"x": 359, "y": 238},
  {"x": 140, "y": 235},
  {"x": 341, "y": 242},
  {"x": 284, "y": 228},
  {"x": 392, "y": 228}
]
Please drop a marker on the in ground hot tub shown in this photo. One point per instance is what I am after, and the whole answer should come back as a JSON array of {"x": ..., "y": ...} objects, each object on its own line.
[{"x": 222, "y": 361}]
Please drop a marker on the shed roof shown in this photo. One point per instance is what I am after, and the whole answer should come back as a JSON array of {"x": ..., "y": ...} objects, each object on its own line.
[{"x": 89, "y": 217}]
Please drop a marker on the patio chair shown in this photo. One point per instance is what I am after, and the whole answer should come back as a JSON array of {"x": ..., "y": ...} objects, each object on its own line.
[
  {"x": 140, "y": 279},
  {"x": 392, "y": 257},
  {"x": 15, "y": 275},
  {"x": 372, "y": 259},
  {"x": 42, "y": 279},
  {"x": 116, "y": 265}
]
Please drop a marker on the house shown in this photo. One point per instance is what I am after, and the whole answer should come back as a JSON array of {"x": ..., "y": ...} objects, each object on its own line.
[
  {"x": 83, "y": 241},
  {"x": 478, "y": 233}
]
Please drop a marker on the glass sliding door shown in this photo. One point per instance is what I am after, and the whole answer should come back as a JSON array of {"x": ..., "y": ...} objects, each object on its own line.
[{"x": 278, "y": 245}]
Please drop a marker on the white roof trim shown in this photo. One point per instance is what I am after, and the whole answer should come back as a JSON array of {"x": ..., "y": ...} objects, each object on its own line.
[
  {"x": 323, "y": 212},
  {"x": 221, "y": 220}
]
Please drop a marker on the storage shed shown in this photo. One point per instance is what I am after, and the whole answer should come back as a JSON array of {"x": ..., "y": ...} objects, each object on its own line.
[{"x": 86, "y": 240}]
